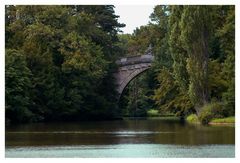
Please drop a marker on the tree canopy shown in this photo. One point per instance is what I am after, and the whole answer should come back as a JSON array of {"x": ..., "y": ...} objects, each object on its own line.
[{"x": 66, "y": 55}]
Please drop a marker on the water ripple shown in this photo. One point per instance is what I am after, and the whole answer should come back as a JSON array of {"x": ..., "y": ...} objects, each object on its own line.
[{"x": 95, "y": 132}]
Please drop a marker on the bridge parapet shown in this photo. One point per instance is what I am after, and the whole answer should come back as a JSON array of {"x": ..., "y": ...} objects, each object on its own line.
[{"x": 147, "y": 58}]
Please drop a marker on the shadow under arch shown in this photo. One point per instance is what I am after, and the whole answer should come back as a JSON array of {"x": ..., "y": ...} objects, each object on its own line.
[{"x": 130, "y": 78}]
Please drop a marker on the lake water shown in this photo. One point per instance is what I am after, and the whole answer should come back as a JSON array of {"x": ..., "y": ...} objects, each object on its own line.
[{"x": 152, "y": 137}]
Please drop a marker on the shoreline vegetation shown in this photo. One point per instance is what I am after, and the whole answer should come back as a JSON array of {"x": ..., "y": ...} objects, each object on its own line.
[
  {"x": 215, "y": 121},
  {"x": 193, "y": 118}
]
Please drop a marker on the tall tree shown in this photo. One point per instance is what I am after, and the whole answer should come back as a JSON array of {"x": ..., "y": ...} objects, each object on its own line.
[
  {"x": 227, "y": 43},
  {"x": 178, "y": 53},
  {"x": 196, "y": 31}
]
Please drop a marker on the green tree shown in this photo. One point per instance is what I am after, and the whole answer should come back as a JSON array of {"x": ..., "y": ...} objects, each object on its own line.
[
  {"x": 18, "y": 88},
  {"x": 227, "y": 43},
  {"x": 196, "y": 32},
  {"x": 160, "y": 35},
  {"x": 178, "y": 53},
  {"x": 71, "y": 52}
]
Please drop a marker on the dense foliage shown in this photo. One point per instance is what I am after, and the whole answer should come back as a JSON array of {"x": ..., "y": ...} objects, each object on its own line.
[
  {"x": 59, "y": 62},
  {"x": 194, "y": 59}
]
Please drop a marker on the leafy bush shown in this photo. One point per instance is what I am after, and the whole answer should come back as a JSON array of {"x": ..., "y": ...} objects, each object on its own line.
[
  {"x": 210, "y": 111},
  {"x": 192, "y": 118}
]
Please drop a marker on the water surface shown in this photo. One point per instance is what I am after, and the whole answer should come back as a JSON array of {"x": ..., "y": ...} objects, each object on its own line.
[{"x": 154, "y": 137}]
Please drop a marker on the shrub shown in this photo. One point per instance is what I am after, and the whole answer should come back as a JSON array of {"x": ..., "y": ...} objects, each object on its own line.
[
  {"x": 210, "y": 111},
  {"x": 192, "y": 118}
]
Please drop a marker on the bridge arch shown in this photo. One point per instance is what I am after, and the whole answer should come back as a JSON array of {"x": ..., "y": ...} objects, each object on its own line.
[
  {"x": 130, "y": 78},
  {"x": 130, "y": 68}
]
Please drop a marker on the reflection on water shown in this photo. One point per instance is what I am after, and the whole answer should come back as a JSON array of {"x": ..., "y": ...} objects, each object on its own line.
[{"x": 165, "y": 138}]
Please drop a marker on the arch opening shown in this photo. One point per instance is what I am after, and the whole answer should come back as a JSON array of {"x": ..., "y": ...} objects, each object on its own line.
[{"x": 129, "y": 79}]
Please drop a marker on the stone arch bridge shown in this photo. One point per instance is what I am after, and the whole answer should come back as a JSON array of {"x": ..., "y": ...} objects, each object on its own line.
[{"x": 131, "y": 67}]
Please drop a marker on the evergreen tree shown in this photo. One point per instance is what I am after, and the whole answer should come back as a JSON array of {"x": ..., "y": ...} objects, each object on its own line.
[{"x": 178, "y": 53}]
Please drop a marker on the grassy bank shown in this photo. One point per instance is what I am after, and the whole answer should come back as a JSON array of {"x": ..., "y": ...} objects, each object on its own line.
[
  {"x": 155, "y": 113},
  {"x": 194, "y": 119},
  {"x": 223, "y": 120}
]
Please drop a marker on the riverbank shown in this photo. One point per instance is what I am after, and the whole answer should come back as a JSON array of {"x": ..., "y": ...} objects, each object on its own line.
[
  {"x": 216, "y": 121},
  {"x": 227, "y": 120}
]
